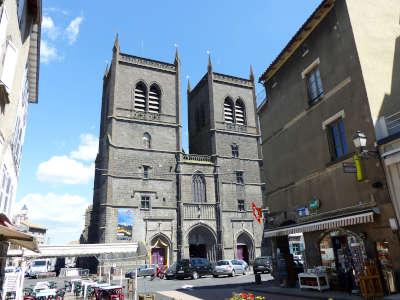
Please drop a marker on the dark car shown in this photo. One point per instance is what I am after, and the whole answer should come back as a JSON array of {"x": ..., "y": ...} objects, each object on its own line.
[
  {"x": 170, "y": 272},
  {"x": 262, "y": 264},
  {"x": 193, "y": 268}
]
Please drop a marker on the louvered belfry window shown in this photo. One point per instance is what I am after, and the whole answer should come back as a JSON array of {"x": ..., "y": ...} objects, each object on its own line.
[
  {"x": 240, "y": 113},
  {"x": 140, "y": 97},
  {"x": 228, "y": 110},
  {"x": 154, "y": 99}
]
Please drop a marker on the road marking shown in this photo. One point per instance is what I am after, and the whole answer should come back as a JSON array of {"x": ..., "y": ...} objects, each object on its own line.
[
  {"x": 178, "y": 295},
  {"x": 187, "y": 287}
]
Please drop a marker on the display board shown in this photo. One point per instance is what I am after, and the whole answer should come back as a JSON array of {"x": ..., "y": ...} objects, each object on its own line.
[{"x": 125, "y": 224}]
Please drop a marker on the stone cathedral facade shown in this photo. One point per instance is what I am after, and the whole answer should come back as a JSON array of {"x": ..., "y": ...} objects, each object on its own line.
[{"x": 146, "y": 189}]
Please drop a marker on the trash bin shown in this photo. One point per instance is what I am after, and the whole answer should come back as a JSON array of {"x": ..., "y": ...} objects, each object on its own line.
[{"x": 257, "y": 278}]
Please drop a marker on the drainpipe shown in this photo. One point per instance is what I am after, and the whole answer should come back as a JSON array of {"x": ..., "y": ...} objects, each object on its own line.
[
  {"x": 178, "y": 208},
  {"x": 218, "y": 216}
]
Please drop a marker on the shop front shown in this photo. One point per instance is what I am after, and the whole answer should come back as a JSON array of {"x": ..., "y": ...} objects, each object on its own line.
[
  {"x": 345, "y": 251},
  {"x": 344, "y": 256}
]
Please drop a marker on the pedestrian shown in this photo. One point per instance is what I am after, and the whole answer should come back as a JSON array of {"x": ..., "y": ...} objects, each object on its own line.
[{"x": 282, "y": 269}]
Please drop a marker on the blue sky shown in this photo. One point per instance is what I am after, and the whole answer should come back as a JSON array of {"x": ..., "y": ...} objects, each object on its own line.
[{"x": 56, "y": 178}]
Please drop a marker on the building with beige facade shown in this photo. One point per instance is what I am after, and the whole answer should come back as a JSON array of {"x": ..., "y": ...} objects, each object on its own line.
[{"x": 20, "y": 23}]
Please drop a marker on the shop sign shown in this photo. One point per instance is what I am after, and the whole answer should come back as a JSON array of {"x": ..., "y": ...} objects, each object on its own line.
[
  {"x": 125, "y": 224},
  {"x": 314, "y": 204},
  {"x": 303, "y": 211},
  {"x": 349, "y": 167}
]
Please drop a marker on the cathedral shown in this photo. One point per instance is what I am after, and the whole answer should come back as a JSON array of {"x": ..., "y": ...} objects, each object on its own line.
[{"x": 205, "y": 203}]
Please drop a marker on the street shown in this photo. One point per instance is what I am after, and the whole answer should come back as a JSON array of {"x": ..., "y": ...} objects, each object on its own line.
[
  {"x": 188, "y": 289},
  {"x": 205, "y": 288}
]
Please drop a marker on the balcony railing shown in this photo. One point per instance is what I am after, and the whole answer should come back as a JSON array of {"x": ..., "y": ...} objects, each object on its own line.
[
  {"x": 197, "y": 157},
  {"x": 393, "y": 123},
  {"x": 198, "y": 211}
]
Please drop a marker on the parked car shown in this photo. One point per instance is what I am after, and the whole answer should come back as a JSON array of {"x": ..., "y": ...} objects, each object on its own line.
[
  {"x": 142, "y": 271},
  {"x": 245, "y": 264},
  {"x": 262, "y": 264},
  {"x": 193, "y": 267},
  {"x": 228, "y": 267},
  {"x": 170, "y": 272}
]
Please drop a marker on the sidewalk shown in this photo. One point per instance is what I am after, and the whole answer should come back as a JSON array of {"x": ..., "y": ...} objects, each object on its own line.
[{"x": 271, "y": 287}]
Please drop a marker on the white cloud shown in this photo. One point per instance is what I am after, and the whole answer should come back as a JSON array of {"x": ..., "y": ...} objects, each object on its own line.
[
  {"x": 69, "y": 169},
  {"x": 62, "y": 214},
  {"x": 87, "y": 150},
  {"x": 72, "y": 30},
  {"x": 63, "y": 169},
  {"x": 48, "y": 52},
  {"x": 49, "y": 28}
]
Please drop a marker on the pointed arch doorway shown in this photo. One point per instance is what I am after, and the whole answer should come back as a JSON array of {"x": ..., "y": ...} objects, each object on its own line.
[
  {"x": 160, "y": 250},
  {"x": 245, "y": 247},
  {"x": 202, "y": 243}
]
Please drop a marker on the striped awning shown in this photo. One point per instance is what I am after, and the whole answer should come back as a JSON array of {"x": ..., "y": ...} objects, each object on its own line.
[{"x": 361, "y": 218}]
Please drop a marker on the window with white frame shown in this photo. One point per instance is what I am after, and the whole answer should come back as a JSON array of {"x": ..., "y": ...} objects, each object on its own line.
[
  {"x": 19, "y": 132},
  {"x": 3, "y": 28},
  {"x": 6, "y": 190},
  {"x": 145, "y": 202},
  {"x": 314, "y": 85},
  {"x": 337, "y": 139},
  {"x": 9, "y": 64}
]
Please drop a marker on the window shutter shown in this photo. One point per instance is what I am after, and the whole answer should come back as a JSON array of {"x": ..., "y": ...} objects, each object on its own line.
[
  {"x": 21, "y": 4},
  {"x": 10, "y": 60},
  {"x": 3, "y": 27}
]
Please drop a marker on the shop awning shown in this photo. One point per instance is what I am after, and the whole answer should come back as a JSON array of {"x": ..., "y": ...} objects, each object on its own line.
[
  {"x": 15, "y": 237},
  {"x": 366, "y": 217}
]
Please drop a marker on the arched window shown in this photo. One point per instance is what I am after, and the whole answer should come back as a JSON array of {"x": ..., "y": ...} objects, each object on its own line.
[
  {"x": 147, "y": 140},
  {"x": 228, "y": 110},
  {"x": 140, "y": 97},
  {"x": 240, "y": 112},
  {"x": 199, "y": 187},
  {"x": 154, "y": 99}
]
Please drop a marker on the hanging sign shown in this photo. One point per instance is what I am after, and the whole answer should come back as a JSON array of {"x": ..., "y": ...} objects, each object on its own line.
[
  {"x": 314, "y": 204},
  {"x": 349, "y": 167},
  {"x": 303, "y": 211},
  {"x": 257, "y": 212}
]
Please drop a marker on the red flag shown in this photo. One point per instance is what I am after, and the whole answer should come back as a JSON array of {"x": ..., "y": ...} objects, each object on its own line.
[{"x": 257, "y": 212}]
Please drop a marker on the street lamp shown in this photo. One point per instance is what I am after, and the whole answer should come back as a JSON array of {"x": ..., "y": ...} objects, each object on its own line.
[{"x": 360, "y": 140}]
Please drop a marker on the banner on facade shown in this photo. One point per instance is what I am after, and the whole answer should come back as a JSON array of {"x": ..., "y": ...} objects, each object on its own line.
[
  {"x": 257, "y": 212},
  {"x": 125, "y": 224}
]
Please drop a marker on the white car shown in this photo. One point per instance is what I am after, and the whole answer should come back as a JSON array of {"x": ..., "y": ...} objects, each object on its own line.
[
  {"x": 227, "y": 267},
  {"x": 243, "y": 263}
]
